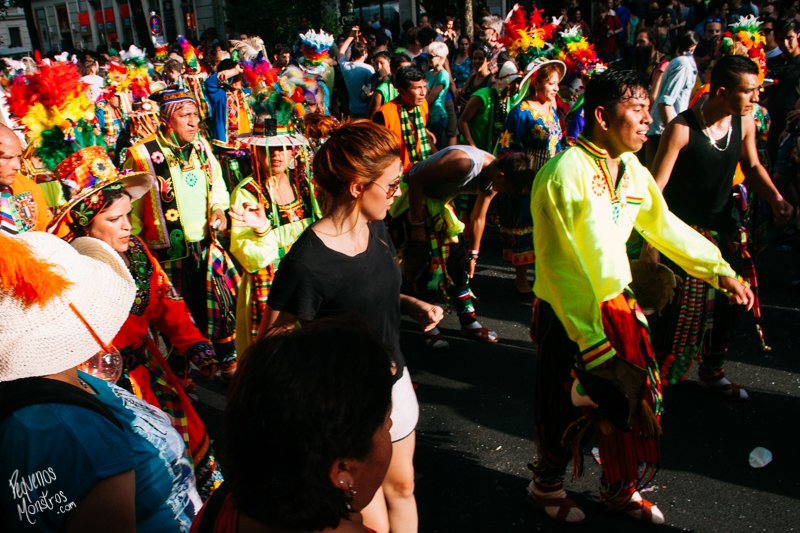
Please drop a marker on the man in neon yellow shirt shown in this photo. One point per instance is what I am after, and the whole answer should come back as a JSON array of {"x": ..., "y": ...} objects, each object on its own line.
[{"x": 593, "y": 344}]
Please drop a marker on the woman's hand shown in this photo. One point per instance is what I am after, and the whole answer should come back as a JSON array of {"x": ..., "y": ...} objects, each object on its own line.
[
  {"x": 249, "y": 216},
  {"x": 426, "y": 315}
]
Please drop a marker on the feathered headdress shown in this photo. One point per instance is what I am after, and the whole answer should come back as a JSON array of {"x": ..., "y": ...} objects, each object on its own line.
[
  {"x": 282, "y": 97},
  {"x": 258, "y": 74},
  {"x": 745, "y": 38},
  {"x": 189, "y": 55},
  {"x": 577, "y": 53},
  {"x": 54, "y": 107},
  {"x": 314, "y": 47},
  {"x": 161, "y": 53},
  {"x": 26, "y": 276},
  {"x": 137, "y": 77},
  {"x": 528, "y": 37},
  {"x": 248, "y": 50}
]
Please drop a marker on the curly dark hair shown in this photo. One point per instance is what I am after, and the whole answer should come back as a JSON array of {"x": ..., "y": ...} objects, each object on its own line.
[{"x": 300, "y": 401}]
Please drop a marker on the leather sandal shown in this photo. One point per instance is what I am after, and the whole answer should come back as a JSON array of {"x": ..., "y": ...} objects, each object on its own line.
[
  {"x": 436, "y": 342},
  {"x": 556, "y": 505},
  {"x": 640, "y": 509},
  {"x": 725, "y": 387},
  {"x": 481, "y": 334}
]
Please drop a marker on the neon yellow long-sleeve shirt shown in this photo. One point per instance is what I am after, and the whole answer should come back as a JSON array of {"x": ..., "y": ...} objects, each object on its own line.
[{"x": 581, "y": 222}]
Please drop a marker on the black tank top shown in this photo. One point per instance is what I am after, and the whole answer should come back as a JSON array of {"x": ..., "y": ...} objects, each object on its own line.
[{"x": 699, "y": 189}]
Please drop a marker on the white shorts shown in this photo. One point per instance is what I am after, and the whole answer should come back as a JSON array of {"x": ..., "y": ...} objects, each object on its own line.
[{"x": 405, "y": 408}]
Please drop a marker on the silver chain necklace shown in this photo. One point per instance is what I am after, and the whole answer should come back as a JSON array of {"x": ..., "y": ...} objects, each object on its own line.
[{"x": 711, "y": 139}]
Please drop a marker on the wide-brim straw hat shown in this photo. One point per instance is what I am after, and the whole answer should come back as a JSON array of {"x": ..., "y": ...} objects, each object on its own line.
[
  {"x": 90, "y": 170},
  {"x": 39, "y": 339}
]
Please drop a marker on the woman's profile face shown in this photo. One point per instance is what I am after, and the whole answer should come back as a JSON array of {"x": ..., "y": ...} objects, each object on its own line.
[
  {"x": 368, "y": 473},
  {"x": 378, "y": 195},
  {"x": 112, "y": 225}
]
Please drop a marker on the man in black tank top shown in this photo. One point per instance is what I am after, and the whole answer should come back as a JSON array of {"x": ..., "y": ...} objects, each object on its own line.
[{"x": 694, "y": 166}]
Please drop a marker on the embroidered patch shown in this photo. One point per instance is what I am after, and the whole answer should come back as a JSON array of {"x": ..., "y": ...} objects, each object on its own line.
[
  {"x": 26, "y": 210},
  {"x": 616, "y": 211},
  {"x": 141, "y": 269},
  {"x": 623, "y": 184},
  {"x": 599, "y": 186}
]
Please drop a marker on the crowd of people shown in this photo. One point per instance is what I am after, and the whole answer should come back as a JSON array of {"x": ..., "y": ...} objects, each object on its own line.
[{"x": 266, "y": 220}]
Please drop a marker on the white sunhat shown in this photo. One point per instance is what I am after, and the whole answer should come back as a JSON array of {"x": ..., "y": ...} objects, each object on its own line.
[
  {"x": 42, "y": 275},
  {"x": 506, "y": 75}
]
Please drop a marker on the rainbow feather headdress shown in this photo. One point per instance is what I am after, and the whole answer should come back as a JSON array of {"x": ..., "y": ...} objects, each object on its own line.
[
  {"x": 744, "y": 37},
  {"x": 315, "y": 46},
  {"x": 577, "y": 53},
  {"x": 528, "y": 37},
  {"x": 189, "y": 55},
  {"x": 53, "y": 106}
]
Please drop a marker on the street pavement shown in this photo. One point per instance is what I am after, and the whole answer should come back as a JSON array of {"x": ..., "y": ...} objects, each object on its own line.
[{"x": 474, "y": 437}]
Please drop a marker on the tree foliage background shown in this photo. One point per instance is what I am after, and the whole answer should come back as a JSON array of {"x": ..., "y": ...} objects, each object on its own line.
[{"x": 279, "y": 21}]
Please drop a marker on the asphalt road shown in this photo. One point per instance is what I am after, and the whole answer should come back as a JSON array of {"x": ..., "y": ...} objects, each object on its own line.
[{"x": 475, "y": 429}]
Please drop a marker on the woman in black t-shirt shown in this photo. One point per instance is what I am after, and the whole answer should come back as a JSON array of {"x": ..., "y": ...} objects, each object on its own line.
[{"x": 345, "y": 263}]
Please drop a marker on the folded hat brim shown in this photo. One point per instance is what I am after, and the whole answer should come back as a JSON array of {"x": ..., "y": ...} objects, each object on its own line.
[
  {"x": 136, "y": 184},
  {"x": 40, "y": 340},
  {"x": 283, "y": 139}
]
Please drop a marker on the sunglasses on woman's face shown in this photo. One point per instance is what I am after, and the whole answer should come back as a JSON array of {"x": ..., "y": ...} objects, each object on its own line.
[{"x": 391, "y": 189}]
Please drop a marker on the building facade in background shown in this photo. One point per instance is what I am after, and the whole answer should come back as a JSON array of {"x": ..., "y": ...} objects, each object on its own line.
[
  {"x": 14, "y": 38},
  {"x": 85, "y": 25}
]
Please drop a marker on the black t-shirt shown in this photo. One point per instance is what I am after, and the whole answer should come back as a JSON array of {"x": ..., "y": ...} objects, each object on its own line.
[
  {"x": 699, "y": 188},
  {"x": 315, "y": 281}
]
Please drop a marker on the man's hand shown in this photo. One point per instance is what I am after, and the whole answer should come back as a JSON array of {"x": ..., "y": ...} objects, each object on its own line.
[
  {"x": 217, "y": 220},
  {"x": 781, "y": 210},
  {"x": 738, "y": 292},
  {"x": 649, "y": 255}
]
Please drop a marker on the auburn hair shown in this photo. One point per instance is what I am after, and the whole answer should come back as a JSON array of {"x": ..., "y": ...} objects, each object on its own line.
[{"x": 358, "y": 151}]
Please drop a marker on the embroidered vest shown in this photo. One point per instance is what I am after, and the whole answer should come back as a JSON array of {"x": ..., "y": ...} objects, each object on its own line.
[{"x": 162, "y": 229}]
